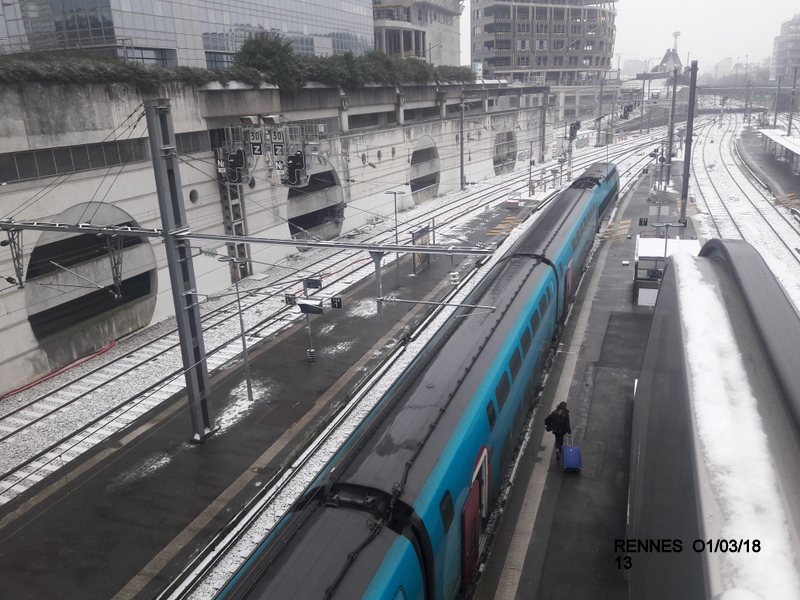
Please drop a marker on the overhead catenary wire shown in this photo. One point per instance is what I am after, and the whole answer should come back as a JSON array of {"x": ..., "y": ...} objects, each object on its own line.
[
  {"x": 53, "y": 185},
  {"x": 82, "y": 218}
]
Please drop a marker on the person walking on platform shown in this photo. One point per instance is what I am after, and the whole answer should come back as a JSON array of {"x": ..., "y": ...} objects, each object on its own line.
[{"x": 558, "y": 422}]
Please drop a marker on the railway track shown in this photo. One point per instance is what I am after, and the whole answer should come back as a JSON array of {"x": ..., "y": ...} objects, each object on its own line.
[
  {"x": 739, "y": 207},
  {"x": 45, "y": 428},
  {"x": 721, "y": 219},
  {"x": 205, "y": 577},
  {"x": 225, "y": 555}
]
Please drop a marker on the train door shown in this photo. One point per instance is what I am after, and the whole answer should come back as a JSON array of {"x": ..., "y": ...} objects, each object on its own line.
[
  {"x": 474, "y": 517},
  {"x": 567, "y": 290}
]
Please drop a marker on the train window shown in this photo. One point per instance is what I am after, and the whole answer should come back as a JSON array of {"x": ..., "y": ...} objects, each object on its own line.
[
  {"x": 526, "y": 341},
  {"x": 543, "y": 305},
  {"x": 535, "y": 322},
  {"x": 446, "y": 510},
  {"x": 491, "y": 415},
  {"x": 549, "y": 294},
  {"x": 574, "y": 244},
  {"x": 515, "y": 364},
  {"x": 502, "y": 389}
]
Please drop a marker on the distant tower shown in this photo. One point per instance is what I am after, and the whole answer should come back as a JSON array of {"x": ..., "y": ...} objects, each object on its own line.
[{"x": 676, "y": 35}]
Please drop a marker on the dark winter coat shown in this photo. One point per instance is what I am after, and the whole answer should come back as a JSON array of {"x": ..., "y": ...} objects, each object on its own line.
[{"x": 558, "y": 422}]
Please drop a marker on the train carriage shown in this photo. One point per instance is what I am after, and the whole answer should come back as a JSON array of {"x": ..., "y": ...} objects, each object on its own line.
[
  {"x": 402, "y": 510},
  {"x": 716, "y": 434}
]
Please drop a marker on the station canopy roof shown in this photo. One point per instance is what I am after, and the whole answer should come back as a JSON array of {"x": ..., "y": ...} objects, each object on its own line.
[{"x": 791, "y": 143}]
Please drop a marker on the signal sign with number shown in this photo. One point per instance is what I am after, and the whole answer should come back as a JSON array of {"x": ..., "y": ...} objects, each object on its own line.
[
  {"x": 336, "y": 302},
  {"x": 289, "y": 299}
]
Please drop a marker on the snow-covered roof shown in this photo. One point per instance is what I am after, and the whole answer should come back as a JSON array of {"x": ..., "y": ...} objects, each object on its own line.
[
  {"x": 744, "y": 491},
  {"x": 790, "y": 142},
  {"x": 655, "y": 247}
]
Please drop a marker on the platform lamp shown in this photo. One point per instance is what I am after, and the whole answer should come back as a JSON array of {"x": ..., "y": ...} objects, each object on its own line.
[
  {"x": 431, "y": 47},
  {"x": 237, "y": 261},
  {"x": 396, "y": 238}
]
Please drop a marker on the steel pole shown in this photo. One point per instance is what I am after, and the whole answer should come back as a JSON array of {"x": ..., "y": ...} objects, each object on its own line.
[
  {"x": 396, "y": 237},
  {"x": 244, "y": 342},
  {"x": 641, "y": 116},
  {"x": 461, "y": 144},
  {"x": 376, "y": 259},
  {"x": 791, "y": 103},
  {"x": 671, "y": 134},
  {"x": 687, "y": 155},
  {"x": 600, "y": 112},
  {"x": 179, "y": 262}
]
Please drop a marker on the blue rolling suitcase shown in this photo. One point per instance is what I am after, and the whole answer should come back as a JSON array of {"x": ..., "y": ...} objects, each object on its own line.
[{"x": 571, "y": 456}]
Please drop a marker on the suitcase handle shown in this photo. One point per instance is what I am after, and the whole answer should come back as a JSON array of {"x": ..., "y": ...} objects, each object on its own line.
[{"x": 568, "y": 440}]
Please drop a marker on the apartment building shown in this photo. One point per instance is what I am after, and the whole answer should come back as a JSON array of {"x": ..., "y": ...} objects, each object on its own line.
[{"x": 549, "y": 42}]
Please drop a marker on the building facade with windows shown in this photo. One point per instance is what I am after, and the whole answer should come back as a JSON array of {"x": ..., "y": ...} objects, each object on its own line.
[
  {"x": 427, "y": 29},
  {"x": 550, "y": 42},
  {"x": 786, "y": 51},
  {"x": 194, "y": 33},
  {"x": 67, "y": 295}
]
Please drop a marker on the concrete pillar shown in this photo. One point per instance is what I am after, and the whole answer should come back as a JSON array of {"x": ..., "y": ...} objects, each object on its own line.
[
  {"x": 400, "y": 100},
  {"x": 344, "y": 122}
]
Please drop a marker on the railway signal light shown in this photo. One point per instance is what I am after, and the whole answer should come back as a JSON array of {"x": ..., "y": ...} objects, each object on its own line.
[
  {"x": 295, "y": 168},
  {"x": 235, "y": 163},
  {"x": 236, "y": 159}
]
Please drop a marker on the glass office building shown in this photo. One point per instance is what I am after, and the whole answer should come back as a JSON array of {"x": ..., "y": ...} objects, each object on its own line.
[{"x": 196, "y": 33}]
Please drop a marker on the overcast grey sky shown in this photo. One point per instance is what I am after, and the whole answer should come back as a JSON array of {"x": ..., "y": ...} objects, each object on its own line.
[{"x": 711, "y": 30}]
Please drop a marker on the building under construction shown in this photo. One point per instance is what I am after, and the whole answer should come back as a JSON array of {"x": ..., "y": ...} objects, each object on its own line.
[
  {"x": 552, "y": 42},
  {"x": 426, "y": 29}
]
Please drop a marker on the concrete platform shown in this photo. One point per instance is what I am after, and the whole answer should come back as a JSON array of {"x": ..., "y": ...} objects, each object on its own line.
[
  {"x": 775, "y": 173},
  {"x": 556, "y": 538},
  {"x": 567, "y": 550}
]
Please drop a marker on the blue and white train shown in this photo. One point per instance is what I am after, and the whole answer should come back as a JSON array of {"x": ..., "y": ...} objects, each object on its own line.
[{"x": 401, "y": 511}]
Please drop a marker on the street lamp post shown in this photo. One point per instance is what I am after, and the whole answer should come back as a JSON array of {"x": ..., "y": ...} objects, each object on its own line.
[
  {"x": 237, "y": 261},
  {"x": 396, "y": 237},
  {"x": 431, "y": 47}
]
